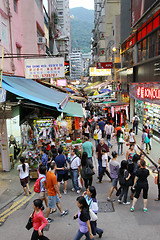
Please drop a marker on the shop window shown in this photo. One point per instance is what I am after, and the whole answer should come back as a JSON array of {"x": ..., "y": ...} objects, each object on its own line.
[
  {"x": 139, "y": 51},
  {"x": 158, "y": 41},
  {"x": 15, "y": 4},
  {"x": 156, "y": 22},
  {"x": 149, "y": 28},
  {"x": 152, "y": 45},
  {"x": 144, "y": 49}
]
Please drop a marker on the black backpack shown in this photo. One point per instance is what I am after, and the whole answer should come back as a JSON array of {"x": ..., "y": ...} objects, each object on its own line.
[
  {"x": 135, "y": 123},
  {"x": 121, "y": 178}
]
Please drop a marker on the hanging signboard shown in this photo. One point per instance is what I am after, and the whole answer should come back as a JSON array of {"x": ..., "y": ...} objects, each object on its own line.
[
  {"x": 44, "y": 68},
  {"x": 93, "y": 71},
  {"x": 104, "y": 65},
  {"x": 76, "y": 123}
]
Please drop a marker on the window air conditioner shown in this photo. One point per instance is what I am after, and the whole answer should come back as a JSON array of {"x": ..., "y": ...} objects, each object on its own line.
[{"x": 41, "y": 40}]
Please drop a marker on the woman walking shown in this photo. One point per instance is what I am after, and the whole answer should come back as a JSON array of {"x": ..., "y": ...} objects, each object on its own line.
[
  {"x": 120, "y": 141},
  {"x": 131, "y": 137},
  {"x": 141, "y": 183},
  {"x": 83, "y": 217},
  {"x": 97, "y": 135},
  {"x": 86, "y": 129},
  {"x": 23, "y": 169},
  {"x": 86, "y": 163},
  {"x": 124, "y": 177},
  {"x": 39, "y": 221},
  {"x": 90, "y": 196}
]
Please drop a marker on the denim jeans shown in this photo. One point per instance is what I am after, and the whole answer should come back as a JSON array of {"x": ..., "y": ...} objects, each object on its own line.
[
  {"x": 80, "y": 234},
  {"x": 99, "y": 167},
  {"x": 102, "y": 173},
  {"x": 95, "y": 229},
  {"x": 109, "y": 140},
  {"x": 120, "y": 145},
  {"x": 74, "y": 176},
  {"x": 124, "y": 192},
  {"x": 135, "y": 126},
  {"x": 96, "y": 143}
]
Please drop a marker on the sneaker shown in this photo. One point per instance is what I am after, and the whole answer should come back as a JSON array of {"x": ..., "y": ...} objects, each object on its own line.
[
  {"x": 156, "y": 199},
  {"x": 119, "y": 201},
  {"x": 62, "y": 182},
  {"x": 64, "y": 213},
  {"x": 145, "y": 210},
  {"x": 100, "y": 235},
  {"x": 65, "y": 192},
  {"x": 132, "y": 209},
  {"x": 50, "y": 220},
  {"x": 73, "y": 189},
  {"x": 127, "y": 203},
  {"x": 78, "y": 191}
]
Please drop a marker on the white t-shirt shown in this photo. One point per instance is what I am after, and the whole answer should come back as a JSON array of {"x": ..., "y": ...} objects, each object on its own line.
[
  {"x": 75, "y": 162},
  {"x": 86, "y": 129},
  {"x": 104, "y": 158},
  {"x": 42, "y": 189},
  {"x": 99, "y": 133},
  {"x": 109, "y": 129},
  {"x": 131, "y": 139},
  {"x": 23, "y": 174}
]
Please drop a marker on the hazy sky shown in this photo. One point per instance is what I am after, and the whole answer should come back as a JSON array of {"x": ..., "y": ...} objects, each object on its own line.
[{"x": 82, "y": 3}]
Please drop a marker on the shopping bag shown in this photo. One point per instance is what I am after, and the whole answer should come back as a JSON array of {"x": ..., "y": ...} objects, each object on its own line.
[
  {"x": 93, "y": 216},
  {"x": 80, "y": 181},
  {"x": 156, "y": 180}
]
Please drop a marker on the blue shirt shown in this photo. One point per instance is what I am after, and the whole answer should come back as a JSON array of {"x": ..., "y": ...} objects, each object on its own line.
[
  {"x": 44, "y": 159},
  {"x": 101, "y": 125},
  {"x": 60, "y": 162}
]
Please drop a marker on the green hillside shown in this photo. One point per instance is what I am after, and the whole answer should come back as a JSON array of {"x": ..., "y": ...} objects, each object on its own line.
[{"x": 82, "y": 23}]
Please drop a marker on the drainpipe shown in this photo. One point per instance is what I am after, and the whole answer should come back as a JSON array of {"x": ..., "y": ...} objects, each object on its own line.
[{"x": 10, "y": 33}]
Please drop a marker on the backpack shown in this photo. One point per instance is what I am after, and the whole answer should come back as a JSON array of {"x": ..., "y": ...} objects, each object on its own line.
[
  {"x": 121, "y": 178},
  {"x": 37, "y": 185},
  {"x": 135, "y": 123}
]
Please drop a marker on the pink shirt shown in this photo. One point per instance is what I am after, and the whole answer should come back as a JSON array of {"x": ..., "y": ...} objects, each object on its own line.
[{"x": 39, "y": 221}]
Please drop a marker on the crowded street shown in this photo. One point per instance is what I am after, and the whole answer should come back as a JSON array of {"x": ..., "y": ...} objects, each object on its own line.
[{"x": 79, "y": 119}]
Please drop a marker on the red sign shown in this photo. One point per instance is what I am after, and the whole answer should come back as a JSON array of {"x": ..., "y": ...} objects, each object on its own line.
[
  {"x": 150, "y": 93},
  {"x": 104, "y": 65},
  {"x": 76, "y": 123}
]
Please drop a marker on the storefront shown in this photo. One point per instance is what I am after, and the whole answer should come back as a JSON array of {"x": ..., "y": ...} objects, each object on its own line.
[{"x": 147, "y": 104}]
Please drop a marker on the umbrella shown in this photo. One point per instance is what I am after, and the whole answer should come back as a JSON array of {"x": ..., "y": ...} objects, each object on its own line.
[
  {"x": 70, "y": 90},
  {"x": 105, "y": 90}
]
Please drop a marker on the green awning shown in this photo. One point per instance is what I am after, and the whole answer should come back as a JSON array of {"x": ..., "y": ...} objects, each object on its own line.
[{"x": 73, "y": 109}]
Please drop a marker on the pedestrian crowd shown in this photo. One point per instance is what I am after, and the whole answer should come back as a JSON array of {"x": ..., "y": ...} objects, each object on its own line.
[{"x": 56, "y": 167}]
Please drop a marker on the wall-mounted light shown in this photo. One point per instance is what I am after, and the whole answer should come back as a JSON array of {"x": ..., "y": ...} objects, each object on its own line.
[{"x": 113, "y": 49}]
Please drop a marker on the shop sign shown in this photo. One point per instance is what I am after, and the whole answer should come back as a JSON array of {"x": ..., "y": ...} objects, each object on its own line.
[
  {"x": 102, "y": 36},
  {"x": 147, "y": 92},
  {"x": 2, "y": 95},
  {"x": 44, "y": 68},
  {"x": 76, "y": 123},
  {"x": 93, "y": 71},
  {"x": 104, "y": 65},
  {"x": 61, "y": 83}
]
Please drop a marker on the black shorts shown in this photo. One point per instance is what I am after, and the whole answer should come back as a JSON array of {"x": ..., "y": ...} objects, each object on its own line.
[
  {"x": 63, "y": 177},
  {"x": 24, "y": 181}
]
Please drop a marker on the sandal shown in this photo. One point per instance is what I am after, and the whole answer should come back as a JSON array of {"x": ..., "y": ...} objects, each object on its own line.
[{"x": 53, "y": 210}]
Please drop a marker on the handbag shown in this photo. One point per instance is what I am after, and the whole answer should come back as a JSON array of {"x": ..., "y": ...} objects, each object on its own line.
[
  {"x": 93, "y": 216},
  {"x": 121, "y": 140},
  {"x": 88, "y": 171},
  {"x": 29, "y": 224},
  {"x": 147, "y": 140},
  {"x": 80, "y": 181}
]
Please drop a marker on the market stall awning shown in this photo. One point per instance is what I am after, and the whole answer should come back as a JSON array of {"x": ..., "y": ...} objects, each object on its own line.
[
  {"x": 29, "y": 89},
  {"x": 73, "y": 109}
]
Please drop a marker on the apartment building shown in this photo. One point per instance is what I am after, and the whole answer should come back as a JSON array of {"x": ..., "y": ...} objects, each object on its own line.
[{"x": 76, "y": 66}]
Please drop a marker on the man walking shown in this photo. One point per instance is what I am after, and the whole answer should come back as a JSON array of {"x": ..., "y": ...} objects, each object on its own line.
[
  {"x": 135, "y": 122},
  {"x": 87, "y": 147},
  {"x": 108, "y": 132},
  {"x": 99, "y": 148},
  {"x": 101, "y": 126},
  {"x": 53, "y": 193},
  {"x": 75, "y": 169}
]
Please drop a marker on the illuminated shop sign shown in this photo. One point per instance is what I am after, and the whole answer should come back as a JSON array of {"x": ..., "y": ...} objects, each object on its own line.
[
  {"x": 151, "y": 93},
  {"x": 146, "y": 92}
]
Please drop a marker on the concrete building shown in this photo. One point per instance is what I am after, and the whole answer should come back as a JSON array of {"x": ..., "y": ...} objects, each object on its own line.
[
  {"x": 26, "y": 37},
  {"x": 76, "y": 66},
  {"x": 63, "y": 38},
  {"x": 86, "y": 62}
]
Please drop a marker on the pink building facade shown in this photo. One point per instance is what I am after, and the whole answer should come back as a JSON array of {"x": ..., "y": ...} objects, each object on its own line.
[{"x": 21, "y": 23}]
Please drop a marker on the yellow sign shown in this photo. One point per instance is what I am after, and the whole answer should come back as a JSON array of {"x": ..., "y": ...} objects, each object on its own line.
[{"x": 93, "y": 71}]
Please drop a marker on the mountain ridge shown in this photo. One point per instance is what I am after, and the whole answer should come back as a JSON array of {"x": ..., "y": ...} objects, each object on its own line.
[{"x": 82, "y": 23}]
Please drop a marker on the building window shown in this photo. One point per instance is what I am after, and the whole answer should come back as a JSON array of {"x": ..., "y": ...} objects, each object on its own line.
[
  {"x": 39, "y": 4},
  {"x": 18, "y": 52},
  {"x": 15, "y": 3}
]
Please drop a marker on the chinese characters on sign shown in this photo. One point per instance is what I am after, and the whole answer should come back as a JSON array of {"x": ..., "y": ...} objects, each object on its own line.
[
  {"x": 93, "y": 71},
  {"x": 151, "y": 93},
  {"x": 44, "y": 68}
]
